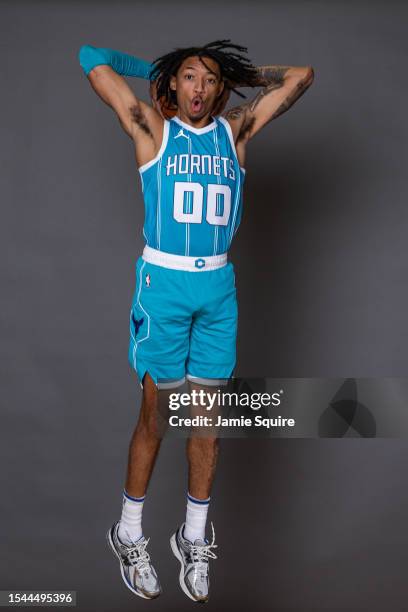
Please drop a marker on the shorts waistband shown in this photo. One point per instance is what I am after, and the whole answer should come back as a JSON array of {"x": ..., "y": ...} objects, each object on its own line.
[{"x": 182, "y": 262}]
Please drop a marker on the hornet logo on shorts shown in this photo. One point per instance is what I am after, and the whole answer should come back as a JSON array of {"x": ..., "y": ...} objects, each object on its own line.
[
  {"x": 148, "y": 280},
  {"x": 137, "y": 323}
]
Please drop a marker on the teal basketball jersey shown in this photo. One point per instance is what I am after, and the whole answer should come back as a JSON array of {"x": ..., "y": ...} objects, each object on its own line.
[{"x": 192, "y": 190}]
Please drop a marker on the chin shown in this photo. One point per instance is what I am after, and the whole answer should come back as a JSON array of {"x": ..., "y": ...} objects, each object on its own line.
[{"x": 201, "y": 115}]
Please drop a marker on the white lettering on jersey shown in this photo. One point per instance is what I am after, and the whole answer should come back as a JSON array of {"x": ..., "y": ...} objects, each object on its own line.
[
  {"x": 232, "y": 175},
  {"x": 224, "y": 161},
  {"x": 183, "y": 158},
  {"x": 213, "y": 165},
  {"x": 208, "y": 158},
  {"x": 171, "y": 165},
  {"x": 195, "y": 164}
]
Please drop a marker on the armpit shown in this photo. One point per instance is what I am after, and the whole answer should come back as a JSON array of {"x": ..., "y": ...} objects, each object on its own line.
[
  {"x": 139, "y": 118},
  {"x": 245, "y": 131}
]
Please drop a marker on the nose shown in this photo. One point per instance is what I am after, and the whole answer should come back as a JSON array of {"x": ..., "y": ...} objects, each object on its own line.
[{"x": 199, "y": 85}]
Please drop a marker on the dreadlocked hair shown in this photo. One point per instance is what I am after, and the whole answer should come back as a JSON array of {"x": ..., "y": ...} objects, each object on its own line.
[{"x": 235, "y": 68}]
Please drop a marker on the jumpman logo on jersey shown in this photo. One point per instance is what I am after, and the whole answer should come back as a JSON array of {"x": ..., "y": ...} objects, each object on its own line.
[{"x": 181, "y": 133}]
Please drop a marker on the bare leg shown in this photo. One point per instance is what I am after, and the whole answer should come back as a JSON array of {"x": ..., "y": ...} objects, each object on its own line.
[
  {"x": 202, "y": 456},
  {"x": 145, "y": 442},
  {"x": 202, "y": 453}
]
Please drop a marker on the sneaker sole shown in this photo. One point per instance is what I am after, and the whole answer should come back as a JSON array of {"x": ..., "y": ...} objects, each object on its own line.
[
  {"x": 122, "y": 571},
  {"x": 176, "y": 553}
]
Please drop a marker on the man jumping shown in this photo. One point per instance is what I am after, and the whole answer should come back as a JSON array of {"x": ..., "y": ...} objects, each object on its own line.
[{"x": 183, "y": 320}]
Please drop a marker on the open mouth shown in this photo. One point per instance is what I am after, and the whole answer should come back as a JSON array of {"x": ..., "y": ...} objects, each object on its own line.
[{"x": 197, "y": 104}]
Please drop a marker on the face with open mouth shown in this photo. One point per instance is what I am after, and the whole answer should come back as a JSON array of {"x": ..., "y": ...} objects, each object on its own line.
[{"x": 197, "y": 85}]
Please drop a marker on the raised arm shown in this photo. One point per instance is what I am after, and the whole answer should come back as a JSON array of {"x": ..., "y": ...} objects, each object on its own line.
[
  {"x": 105, "y": 70},
  {"x": 281, "y": 87}
]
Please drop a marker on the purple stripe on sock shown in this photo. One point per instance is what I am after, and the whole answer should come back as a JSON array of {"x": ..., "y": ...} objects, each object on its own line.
[
  {"x": 136, "y": 499},
  {"x": 202, "y": 502}
]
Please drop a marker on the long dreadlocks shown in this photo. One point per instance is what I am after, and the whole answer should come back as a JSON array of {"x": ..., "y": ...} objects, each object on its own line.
[{"x": 235, "y": 68}]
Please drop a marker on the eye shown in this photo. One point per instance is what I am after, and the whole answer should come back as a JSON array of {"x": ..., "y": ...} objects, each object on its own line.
[{"x": 186, "y": 76}]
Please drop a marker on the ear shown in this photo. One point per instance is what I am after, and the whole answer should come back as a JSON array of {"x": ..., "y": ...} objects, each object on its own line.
[{"x": 173, "y": 82}]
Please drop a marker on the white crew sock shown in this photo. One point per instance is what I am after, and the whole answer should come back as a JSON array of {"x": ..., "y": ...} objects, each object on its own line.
[
  {"x": 130, "y": 526},
  {"x": 196, "y": 518}
]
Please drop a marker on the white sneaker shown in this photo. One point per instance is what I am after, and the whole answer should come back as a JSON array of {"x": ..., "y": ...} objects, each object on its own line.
[
  {"x": 137, "y": 571},
  {"x": 194, "y": 560}
]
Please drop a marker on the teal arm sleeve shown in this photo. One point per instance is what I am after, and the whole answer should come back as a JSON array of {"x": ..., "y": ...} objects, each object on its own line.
[{"x": 126, "y": 65}]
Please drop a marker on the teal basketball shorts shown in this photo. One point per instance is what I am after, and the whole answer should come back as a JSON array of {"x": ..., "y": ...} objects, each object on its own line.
[{"x": 183, "y": 322}]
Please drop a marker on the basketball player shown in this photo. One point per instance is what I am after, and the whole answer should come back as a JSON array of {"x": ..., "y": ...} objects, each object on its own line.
[{"x": 183, "y": 321}]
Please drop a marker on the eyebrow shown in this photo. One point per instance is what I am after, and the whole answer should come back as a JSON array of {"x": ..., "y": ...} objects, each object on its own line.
[{"x": 208, "y": 71}]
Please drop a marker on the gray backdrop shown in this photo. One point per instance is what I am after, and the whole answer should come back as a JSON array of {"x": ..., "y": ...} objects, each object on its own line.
[{"x": 321, "y": 272}]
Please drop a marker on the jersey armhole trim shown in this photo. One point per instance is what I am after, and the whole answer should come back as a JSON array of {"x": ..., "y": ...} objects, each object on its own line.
[
  {"x": 231, "y": 138},
  {"x": 166, "y": 128}
]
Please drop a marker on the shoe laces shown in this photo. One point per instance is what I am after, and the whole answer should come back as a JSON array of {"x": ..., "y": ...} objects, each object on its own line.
[
  {"x": 201, "y": 553},
  {"x": 138, "y": 555}
]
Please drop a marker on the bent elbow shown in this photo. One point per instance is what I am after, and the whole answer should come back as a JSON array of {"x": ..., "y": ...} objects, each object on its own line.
[{"x": 309, "y": 75}]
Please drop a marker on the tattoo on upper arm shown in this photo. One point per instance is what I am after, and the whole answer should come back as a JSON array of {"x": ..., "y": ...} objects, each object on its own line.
[
  {"x": 270, "y": 79},
  {"x": 272, "y": 74},
  {"x": 273, "y": 77},
  {"x": 295, "y": 93},
  {"x": 235, "y": 113},
  {"x": 139, "y": 118}
]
